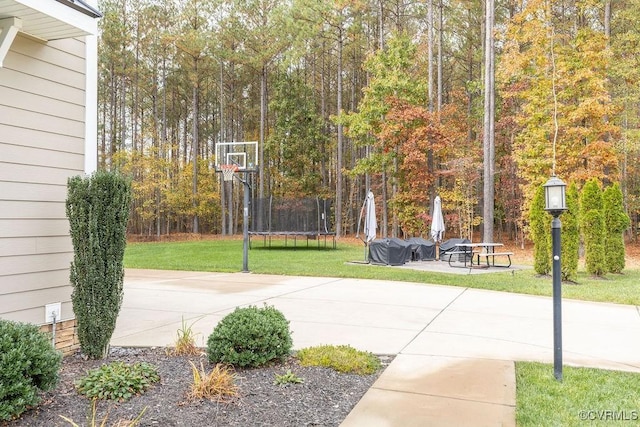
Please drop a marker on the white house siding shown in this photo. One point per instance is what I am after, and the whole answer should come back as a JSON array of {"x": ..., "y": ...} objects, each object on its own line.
[{"x": 42, "y": 143}]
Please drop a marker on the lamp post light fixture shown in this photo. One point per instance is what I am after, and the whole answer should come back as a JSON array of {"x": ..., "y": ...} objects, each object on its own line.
[
  {"x": 556, "y": 204},
  {"x": 555, "y": 199}
]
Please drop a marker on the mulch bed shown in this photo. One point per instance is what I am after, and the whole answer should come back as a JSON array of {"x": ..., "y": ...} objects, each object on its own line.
[{"x": 325, "y": 397}]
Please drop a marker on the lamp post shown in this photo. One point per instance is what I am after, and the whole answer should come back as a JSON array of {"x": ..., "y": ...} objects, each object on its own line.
[{"x": 555, "y": 204}]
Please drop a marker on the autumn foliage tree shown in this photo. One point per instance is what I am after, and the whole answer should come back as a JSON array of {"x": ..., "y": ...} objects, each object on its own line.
[
  {"x": 395, "y": 81},
  {"x": 555, "y": 68},
  {"x": 414, "y": 133}
]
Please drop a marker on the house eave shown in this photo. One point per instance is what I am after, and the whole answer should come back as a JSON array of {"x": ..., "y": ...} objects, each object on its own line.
[{"x": 52, "y": 19}]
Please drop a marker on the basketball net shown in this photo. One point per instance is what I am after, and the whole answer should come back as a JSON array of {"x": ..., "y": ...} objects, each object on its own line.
[{"x": 228, "y": 171}]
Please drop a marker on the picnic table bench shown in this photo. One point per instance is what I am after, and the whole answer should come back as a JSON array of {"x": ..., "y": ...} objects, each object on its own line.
[
  {"x": 493, "y": 256},
  {"x": 467, "y": 250}
]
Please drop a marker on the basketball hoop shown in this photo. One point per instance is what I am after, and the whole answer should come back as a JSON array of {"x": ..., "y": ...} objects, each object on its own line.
[{"x": 228, "y": 171}]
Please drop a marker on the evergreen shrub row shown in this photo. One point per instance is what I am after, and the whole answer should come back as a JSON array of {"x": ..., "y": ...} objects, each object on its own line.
[{"x": 596, "y": 216}]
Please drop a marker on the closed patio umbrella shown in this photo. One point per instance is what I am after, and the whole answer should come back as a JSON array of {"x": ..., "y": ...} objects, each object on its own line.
[
  {"x": 370, "y": 224},
  {"x": 437, "y": 223}
]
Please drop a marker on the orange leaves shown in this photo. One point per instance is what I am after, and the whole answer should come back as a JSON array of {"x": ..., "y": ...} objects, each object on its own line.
[
  {"x": 412, "y": 127},
  {"x": 416, "y": 134}
]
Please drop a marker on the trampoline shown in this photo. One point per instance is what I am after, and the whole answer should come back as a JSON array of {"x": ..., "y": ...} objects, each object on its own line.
[{"x": 293, "y": 219}]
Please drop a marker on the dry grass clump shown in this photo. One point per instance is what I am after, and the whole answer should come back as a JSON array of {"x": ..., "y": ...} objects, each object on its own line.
[
  {"x": 185, "y": 344},
  {"x": 94, "y": 422},
  {"x": 217, "y": 385}
]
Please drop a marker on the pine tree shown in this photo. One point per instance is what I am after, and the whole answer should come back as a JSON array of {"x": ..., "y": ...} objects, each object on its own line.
[
  {"x": 616, "y": 222},
  {"x": 592, "y": 226},
  {"x": 540, "y": 229},
  {"x": 570, "y": 241}
]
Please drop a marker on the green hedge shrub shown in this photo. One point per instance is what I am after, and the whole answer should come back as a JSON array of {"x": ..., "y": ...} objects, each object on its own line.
[
  {"x": 616, "y": 222},
  {"x": 28, "y": 365},
  {"x": 250, "y": 337},
  {"x": 570, "y": 239},
  {"x": 98, "y": 210},
  {"x": 592, "y": 226},
  {"x": 540, "y": 231}
]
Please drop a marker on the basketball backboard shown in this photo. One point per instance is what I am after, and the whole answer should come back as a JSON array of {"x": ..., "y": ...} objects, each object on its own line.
[{"x": 244, "y": 155}]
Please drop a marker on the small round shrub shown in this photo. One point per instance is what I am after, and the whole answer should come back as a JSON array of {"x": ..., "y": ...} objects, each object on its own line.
[
  {"x": 28, "y": 365},
  {"x": 250, "y": 337}
]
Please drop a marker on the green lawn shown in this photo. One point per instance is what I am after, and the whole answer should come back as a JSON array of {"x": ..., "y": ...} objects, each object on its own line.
[
  {"x": 226, "y": 256},
  {"x": 586, "y": 396}
]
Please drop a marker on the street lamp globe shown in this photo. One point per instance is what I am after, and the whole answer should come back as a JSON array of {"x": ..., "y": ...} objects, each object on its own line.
[{"x": 555, "y": 199}]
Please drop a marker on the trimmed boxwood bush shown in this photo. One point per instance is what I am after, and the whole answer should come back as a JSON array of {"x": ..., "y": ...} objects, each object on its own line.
[
  {"x": 250, "y": 337},
  {"x": 28, "y": 365}
]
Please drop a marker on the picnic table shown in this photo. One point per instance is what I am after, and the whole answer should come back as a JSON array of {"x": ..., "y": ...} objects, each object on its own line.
[{"x": 486, "y": 250}]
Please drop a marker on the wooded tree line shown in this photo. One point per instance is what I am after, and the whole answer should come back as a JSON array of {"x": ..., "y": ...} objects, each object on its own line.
[{"x": 350, "y": 95}]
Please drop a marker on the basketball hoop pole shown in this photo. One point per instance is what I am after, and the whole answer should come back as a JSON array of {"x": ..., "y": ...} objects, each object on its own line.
[
  {"x": 245, "y": 215},
  {"x": 245, "y": 224},
  {"x": 232, "y": 158},
  {"x": 245, "y": 220}
]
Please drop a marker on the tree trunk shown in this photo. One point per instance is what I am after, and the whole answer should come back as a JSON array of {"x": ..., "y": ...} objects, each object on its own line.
[
  {"x": 430, "y": 168},
  {"x": 488, "y": 139},
  {"x": 263, "y": 119},
  {"x": 194, "y": 131},
  {"x": 607, "y": 18},
  {"x": 440, "y": 31},
  {"x": 338, "y": 209},
  {"x": 385, "y": 205},
  {"x": 430, "y": 52}
]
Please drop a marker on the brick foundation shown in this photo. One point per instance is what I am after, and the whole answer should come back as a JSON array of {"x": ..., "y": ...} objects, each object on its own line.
[{"x": 66, "y": 336}]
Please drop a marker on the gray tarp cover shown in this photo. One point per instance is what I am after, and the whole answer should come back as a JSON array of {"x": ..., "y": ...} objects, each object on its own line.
[
  {"x": 391, "y": 251},
  {"x": 449, "y": 246},
  {"x": 423, "y": 250}
]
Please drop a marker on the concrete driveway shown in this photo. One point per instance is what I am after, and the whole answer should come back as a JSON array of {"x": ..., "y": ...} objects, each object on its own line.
[{"x": 455, "y": 346}]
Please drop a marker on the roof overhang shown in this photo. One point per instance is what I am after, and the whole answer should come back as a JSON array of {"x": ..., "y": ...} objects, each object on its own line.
[{"x": 52, "y": 19}]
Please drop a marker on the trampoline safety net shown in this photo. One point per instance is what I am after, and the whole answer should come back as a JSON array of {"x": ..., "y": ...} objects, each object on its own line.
[{"x": 281, "y": 215}]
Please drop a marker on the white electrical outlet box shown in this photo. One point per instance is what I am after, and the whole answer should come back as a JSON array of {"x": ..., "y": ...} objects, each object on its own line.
[{"x": 52, "y": 309}]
